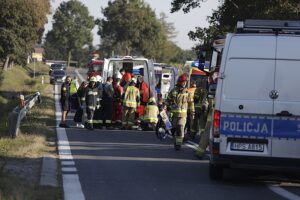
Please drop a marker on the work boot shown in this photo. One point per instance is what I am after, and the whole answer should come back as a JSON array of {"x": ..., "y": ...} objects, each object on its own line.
[
  {"x": 177, "y": 147},
  {"x": 200, "y": 153}
]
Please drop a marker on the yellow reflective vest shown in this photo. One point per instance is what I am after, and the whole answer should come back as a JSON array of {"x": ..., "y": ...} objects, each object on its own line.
[
  {"x": 151, "y": 114},
  {"x": 200, "y": 99},
  {"x": 73, "y": 86},
  {"x": 131, "y": 97},
  {"x": 180, "y": 101}
]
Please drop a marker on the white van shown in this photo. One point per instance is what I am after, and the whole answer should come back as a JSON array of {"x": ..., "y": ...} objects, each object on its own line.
[{"x": 256, "y": 121}]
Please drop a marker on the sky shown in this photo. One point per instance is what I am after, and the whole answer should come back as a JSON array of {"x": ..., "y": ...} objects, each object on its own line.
[{"x": 183, "y": 22}]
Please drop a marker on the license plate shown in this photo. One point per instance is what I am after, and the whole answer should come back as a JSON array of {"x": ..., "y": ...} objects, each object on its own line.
[{"x": 237, "y": 146}]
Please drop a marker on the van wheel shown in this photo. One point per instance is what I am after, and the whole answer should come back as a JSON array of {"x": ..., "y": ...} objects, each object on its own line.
[{"x": 215, "y": 172}]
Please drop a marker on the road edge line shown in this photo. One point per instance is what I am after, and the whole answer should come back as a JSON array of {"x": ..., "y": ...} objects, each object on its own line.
[{"x": 71, "y": 183}]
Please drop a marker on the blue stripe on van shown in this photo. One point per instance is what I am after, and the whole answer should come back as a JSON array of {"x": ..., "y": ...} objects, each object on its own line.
[
  {"x": 237, "y": 125},
  {"x": 286, "y": 128}
]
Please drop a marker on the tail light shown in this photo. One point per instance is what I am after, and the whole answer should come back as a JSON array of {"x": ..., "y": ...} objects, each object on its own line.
[{"x": 216, "y": 123}]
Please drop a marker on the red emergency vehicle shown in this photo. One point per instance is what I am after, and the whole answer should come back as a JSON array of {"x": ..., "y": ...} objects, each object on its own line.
[{"x": 95, "y": 67}]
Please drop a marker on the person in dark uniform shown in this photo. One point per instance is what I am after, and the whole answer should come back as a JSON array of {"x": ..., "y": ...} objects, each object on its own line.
[
  {"x": 65, "y": 101},
  {"x": 80, "y": 97},
  {"x": 107, "y": 100}
]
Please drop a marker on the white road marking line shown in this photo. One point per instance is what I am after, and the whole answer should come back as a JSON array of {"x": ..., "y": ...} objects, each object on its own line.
[
  {"x": 71, "y": 183},
  {"x": 284, "y": 193},
  {"x": 68, "y": 169},
  {"x": 72, "y": 187},
  {"x": 67, "y": 163}
]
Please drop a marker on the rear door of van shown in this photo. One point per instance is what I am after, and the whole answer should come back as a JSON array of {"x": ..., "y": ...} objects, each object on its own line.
[
  {"x": 246, "y": 80},
  {"x": 286, "y": 133}
]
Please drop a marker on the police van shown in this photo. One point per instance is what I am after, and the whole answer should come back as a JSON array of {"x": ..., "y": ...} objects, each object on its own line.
[{"x": 256, "y": 121}]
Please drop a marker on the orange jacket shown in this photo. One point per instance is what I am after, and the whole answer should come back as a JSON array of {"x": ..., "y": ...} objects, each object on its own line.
[{"x": 144, "y": 91}]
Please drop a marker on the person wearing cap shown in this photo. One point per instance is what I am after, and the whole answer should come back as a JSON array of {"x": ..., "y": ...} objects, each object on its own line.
[
  {"x": 179, "y": 101},
  {"x": 92, "y": 101},
  {"x": 80, "y": 106},
  {"x": 97, "y": 120},
  {"x": 151, "y": 113},
  {"x": 131, "y": 101}
]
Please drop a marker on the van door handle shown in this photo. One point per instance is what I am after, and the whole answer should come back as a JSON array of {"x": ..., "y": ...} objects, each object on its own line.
[{"x": 284, "y": 113}]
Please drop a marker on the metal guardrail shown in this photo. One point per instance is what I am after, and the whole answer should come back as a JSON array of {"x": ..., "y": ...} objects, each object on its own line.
[{"x": 15, "y": 117}]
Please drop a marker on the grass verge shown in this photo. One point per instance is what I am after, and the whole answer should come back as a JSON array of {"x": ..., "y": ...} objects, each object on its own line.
[{"x": 21, "y": 158}]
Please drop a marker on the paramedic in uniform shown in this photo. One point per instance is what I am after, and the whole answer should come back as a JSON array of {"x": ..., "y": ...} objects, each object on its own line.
[{"x": 179, "y": 101}]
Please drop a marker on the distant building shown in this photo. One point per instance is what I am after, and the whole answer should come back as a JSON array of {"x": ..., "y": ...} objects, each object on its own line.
[{"x": 37, "y": 54}]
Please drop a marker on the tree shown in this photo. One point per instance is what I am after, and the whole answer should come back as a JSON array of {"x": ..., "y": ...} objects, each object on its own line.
[
  {"x": 224, "y": 19},
  {"x": 22, "y": 24},
  {"x": 130, "y": 26},
  {"x": 72, "y": 29}
]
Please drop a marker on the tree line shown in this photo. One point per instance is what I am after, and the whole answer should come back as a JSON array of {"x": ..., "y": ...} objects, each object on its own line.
[
  {"x": 225, "y": 17},
  {"x": 127, "y": 27}
]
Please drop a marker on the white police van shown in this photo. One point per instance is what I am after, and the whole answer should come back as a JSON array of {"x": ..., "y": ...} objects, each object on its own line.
[{"x": 256, "y": 121}]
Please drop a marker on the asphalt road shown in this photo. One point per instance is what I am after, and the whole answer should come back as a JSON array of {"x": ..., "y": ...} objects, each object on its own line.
[{"x": 129, "y": 165}]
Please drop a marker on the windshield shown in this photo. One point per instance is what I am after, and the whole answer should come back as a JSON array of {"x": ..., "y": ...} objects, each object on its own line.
[{"x": 60, "y": 73}]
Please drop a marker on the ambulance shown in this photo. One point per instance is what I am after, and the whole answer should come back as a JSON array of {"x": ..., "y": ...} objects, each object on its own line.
[
  {"x": 256, "y": 119},
  {"x": 134, "y": 65}
]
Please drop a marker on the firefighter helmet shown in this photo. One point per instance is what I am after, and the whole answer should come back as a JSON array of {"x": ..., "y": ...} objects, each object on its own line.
[
  {"x": 182, "y": 78},
  {"x": 151, "y": 100},
  {"x": 93, "y": 79},
  {"x": 99, "y": 78},
  {"x": 133, "y": 80}
]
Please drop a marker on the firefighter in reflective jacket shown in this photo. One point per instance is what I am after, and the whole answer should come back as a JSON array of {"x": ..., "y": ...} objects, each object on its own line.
[
  {"x": 151, "y": 113},
  {"x": 204, "y": 140},
  {"x": 179, "y": 101},
  {"x": 131, "y": 101},
  {"x": 190, "y": 116},
  {"x": 92, "y": 100},
  {"x": 97, "y": 120},
  {"x": 201, "y": 103}
]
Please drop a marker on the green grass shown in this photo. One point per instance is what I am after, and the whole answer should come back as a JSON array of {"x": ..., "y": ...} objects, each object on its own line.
[{"x": 37, "y": 128}]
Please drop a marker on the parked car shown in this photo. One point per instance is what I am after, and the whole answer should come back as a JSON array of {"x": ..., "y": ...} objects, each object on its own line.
[
  {"x": 55, "y": 67},
  {"x": 57, "y": 76}
]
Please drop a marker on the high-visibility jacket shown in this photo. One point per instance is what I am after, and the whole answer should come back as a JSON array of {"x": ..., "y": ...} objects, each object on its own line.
[
  {"x": 200, "y": 99},
  {"x": 151, "y": 114},
  {"x": 192, "y": 91},
  {"x": 73, "y": 86},
  {"x": 92, "y": 98},
  {"x": 131, "y": 97},
  {"x": 180, "y": 101}
]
